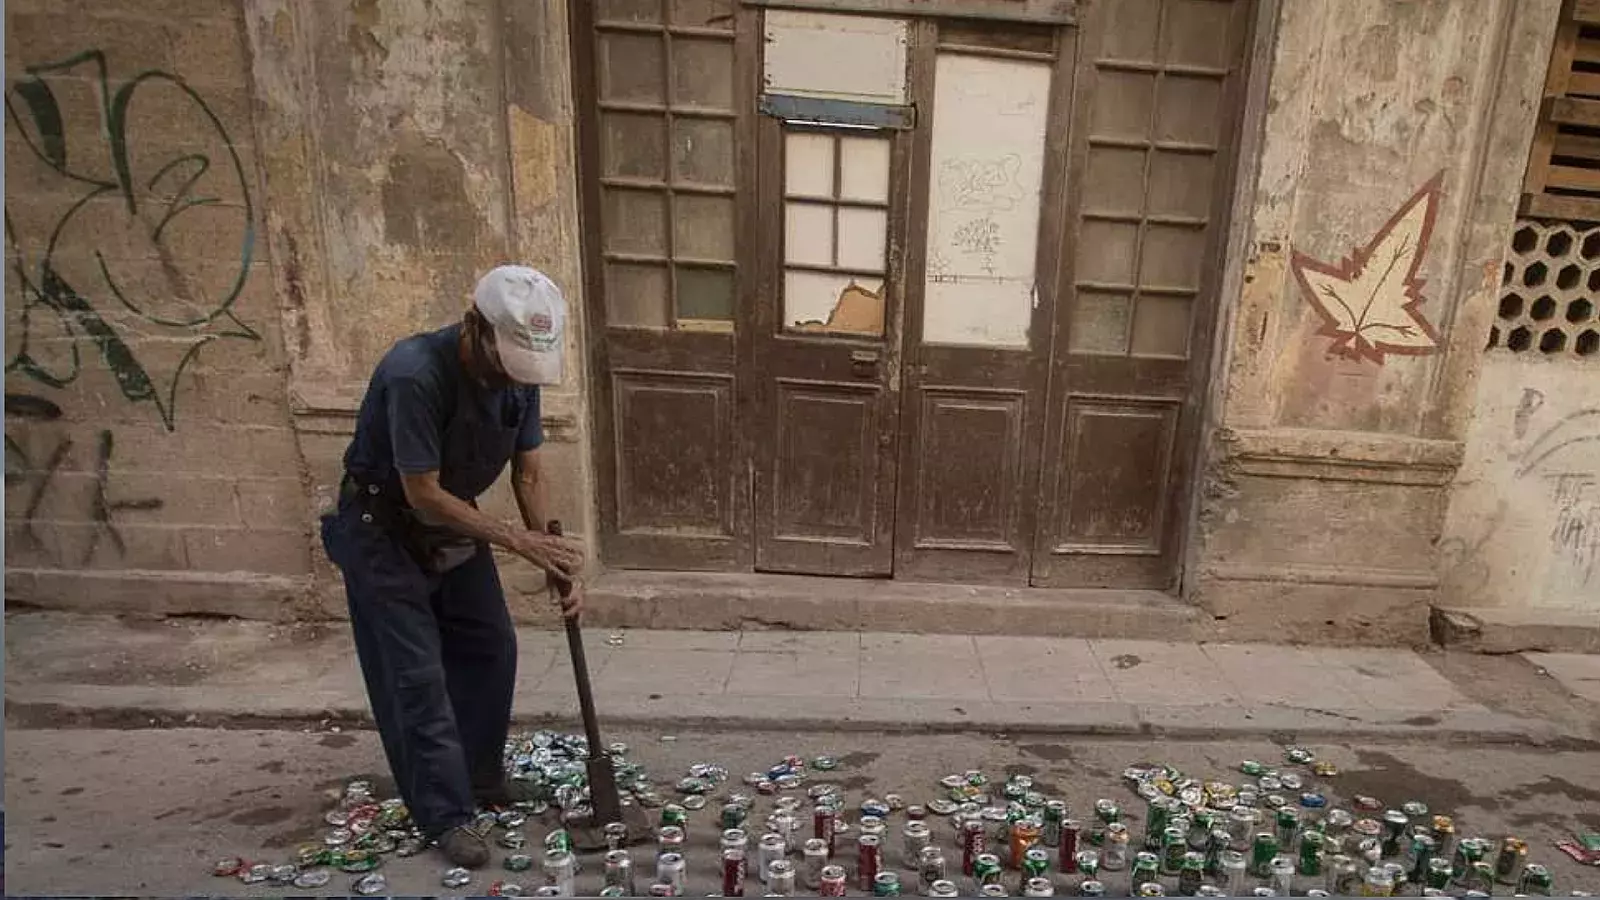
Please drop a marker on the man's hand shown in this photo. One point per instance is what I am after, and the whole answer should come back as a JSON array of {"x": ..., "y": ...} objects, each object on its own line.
[
  {"x": 572, "y": 603},
  {"x": 556, "y": 556}
]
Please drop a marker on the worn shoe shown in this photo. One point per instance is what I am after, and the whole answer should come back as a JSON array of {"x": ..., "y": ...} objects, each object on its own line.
[{"x": 464, "y": 847}]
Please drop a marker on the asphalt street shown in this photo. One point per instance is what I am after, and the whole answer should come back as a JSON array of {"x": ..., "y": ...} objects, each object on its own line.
[{"x": 148, "y": 811}]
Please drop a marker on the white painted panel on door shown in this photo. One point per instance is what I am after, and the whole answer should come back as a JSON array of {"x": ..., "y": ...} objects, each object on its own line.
[
  {"x": 839, "y": 57},
  {"x": 989, "y": 118}
]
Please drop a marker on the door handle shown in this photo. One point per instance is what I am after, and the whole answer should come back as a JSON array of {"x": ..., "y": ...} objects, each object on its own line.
[{"x": 864, "y": 363}]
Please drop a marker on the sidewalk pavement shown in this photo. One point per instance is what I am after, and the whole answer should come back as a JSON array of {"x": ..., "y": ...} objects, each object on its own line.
[{"x": 63, "y": 668}]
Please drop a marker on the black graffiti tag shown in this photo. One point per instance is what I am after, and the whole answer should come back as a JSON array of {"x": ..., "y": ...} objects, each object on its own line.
[{"x": 74, "y": 286}]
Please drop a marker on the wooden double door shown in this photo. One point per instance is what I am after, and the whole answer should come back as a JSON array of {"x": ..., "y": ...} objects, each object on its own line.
[{"x": 956, "y": 329}]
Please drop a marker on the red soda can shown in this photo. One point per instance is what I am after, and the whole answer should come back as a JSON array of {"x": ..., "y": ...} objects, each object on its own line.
[
  {"x": 1069, "y": 845},
  {"x": 973, "y": 844},
  {"x": 867, "y": 852},
  {"x": 833, "y": 881},
  {"x": 733, "y": 871},
  {"x": 823, "y": 819}
]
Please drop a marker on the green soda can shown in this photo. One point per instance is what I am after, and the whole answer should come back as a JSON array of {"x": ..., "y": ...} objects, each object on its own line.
[
  {"x": 1262, "y": 850},
  {"x": 733, "y": 815},
  {"x": 1035, "y": 862},
  {"x": 1252, "y": 768},
  {"x": 1288, "y": 823},
  {"x": 1088, "y": 863},
  {"x": 1156, "y": 816},
  {"x": 1174, "y": 844},
  {"x": 1468, "y": 852},
  {"x": 1535, "y": 881},
  {"x": 1146, "y": 870},
  {"x": 1105, "y": 812},
  {"x": 1480, "y": 877},
  {"x": 1191, "y": 873},
  {"x": 1311, "y": 853},
  {"x": 673, "y": 814},
  {"x": 558, "y": 840},
  {"x": 886, "y": 884},
  {"x": 986, "y": 869},
  {"x": 1439, "y": 873}
]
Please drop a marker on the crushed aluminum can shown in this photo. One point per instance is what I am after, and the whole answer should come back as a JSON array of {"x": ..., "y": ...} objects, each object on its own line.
[
  {"x": 515, "y": 862},
  {"x": 337, "y": 818},
  {"x": 694, "y": 785},
  {"x": 256, "y": 874},
  {"x": 1366, "y": 803},
  {"x": 694, "y": 802},
  {"x": 895, "y": 801},
  {"x": 284, "y": 874},
  {"x": 409, "y": 847},
  {"x": 1299, "y": 755},
  {"x": 1416, "y": 809},
  {"x": 872, "y": 806},
  {"x": 1291, "y": 781},
  {"x": 614, "y": 640},
  {"x": 228, "y": 867},
  {"x": 511, "y": 818},
  {"x": 942, "y": 807},
  {"x": 359, "y": 861},
  {"x": 825, "y": 763},
  {"x": 789, "y": 781},
  {"x": 953, "y": 782},
  {"x": 513, "y": 840},
  {"x": 311, "y": 879},
  {"x": 370, "y": 884},
  {"x": 1324, "y": 769},
  {"x": 337, "y": 837},
  {"x": 1313, "y": 801},
  {"x": 456, "y": 878}
]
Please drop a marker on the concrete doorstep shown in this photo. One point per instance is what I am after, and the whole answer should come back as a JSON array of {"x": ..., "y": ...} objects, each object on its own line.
[{"x": 67, "y": 669}]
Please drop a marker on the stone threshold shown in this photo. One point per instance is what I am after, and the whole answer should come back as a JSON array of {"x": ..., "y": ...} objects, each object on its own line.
[
  {"x": 1497, "y": 630},
  {"x": 746, "y": 601}
]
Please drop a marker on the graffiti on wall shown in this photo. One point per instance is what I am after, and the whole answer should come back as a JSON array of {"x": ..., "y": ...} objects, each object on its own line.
[
  {"x": 149, "y": 237},
  {"x": 38, "y": 479},
  {"x": 1369, "y": 302}
]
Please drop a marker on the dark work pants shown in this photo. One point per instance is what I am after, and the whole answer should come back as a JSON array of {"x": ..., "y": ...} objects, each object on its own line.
[{"x": 439, "y": 655}]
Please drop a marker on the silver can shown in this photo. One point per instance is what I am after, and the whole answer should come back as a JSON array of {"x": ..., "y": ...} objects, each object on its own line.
[
  {"x": 944, "y": 889},
  {"x": 1282, "y": 875},
  {"x": 560, "y": 870},
  {"x": 916, "y": 836},
  {"x": 931, "y": 868},
  {"x": 1114, "y": 855},
  {"x": 735, "y": 837},
  {"x": 783, "y": 824},
  {"x": 814, "y": 858},
  {"x": 670, "y": 870},
  {"x": 993, "y": 890},
  {"x": 780, "y": 878},
  {"x": 619, "y": 870},
  {"x": 1038, "y": 887},
  {"x": 772, "y": 848},
  {"x": 1091, "y": 888}
]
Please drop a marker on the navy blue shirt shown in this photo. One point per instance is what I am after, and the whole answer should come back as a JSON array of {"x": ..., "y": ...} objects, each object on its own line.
[{"x": 415, "y": 394}]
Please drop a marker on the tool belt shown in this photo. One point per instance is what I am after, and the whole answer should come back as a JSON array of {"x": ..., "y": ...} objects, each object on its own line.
[{"x": 436, "y": 547}]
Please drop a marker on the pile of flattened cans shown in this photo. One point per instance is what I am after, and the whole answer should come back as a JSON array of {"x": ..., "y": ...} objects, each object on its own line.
[{"x": 1273, "y": 834}]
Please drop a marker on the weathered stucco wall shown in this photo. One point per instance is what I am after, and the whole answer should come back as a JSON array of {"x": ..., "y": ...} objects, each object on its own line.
[
  {"x": 150, "y": 461},
  {"x": 1371, "y": 227},
  {"x": 408, "y": 148},
  {"x": 1524, "y": 524}
]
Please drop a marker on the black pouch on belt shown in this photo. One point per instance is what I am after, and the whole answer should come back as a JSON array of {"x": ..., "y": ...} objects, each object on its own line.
[{"x": 435, "y": 547}]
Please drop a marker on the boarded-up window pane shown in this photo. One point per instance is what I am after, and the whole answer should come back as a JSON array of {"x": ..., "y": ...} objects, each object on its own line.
[
  {"x": 703, "y": 227},
  {"x": 1172, "y": 257},
  {"x": 1189, "y": 108},
  {"x": 636, "y": 295},
  {"x": 702, "y": 151},
  {"x": 634, "y": 145},
  {"x": 861, "y": 238},
  {"x": 1114, "y": 182},
  {"x": 1180, "y": 184},
  {"x": 635, "y": 222},
  {"x": 702, "y": 72},
  {"x": 1130, "y": 32},
  {"x": 631, "y": 67},
  {"x": 1105, "y": 252},
  {"x": 702, "y": 13},
  {"x": 808, "y": 165},
  {"x": 1099, "y": 323},
  {"x": 629, "y": 11},
  {"x": 705, "y": 293},
  {"x": 812, "y": 299},
  {"x": 1122, "y": 105},
  {"x": 1197, "y": 33},
  {"x": 808, "y": 234},
  {"x": 1161, "y": 326},
  {"x": 864, "y": 169}
]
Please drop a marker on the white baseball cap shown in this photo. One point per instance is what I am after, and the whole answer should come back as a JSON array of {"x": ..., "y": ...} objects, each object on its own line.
[{"x": 529, "y": 317}]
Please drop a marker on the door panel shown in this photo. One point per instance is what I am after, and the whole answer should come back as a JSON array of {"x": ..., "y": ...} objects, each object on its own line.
[
  {"x": 992, "y": 108},
  {"x": 674, "y": 434},
  {"x": 964, "y": 431},
  {"x": 1153, "y": 116},
  {"x": 825, "y": 473}
]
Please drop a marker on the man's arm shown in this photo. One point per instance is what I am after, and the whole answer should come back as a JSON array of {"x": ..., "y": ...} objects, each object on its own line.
[
  {"x": 527, "y": 483},
  {"x": 425, "y": 494}
]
